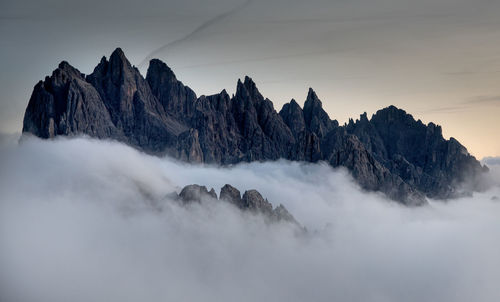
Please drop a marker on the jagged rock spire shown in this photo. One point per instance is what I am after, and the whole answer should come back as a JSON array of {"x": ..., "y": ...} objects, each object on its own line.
[
  {"x": 248, "y": 91},
  {"x": 176, "y": 99},
  {"x": 293, "y": 116},
  {"x": 316, "y": 119}
]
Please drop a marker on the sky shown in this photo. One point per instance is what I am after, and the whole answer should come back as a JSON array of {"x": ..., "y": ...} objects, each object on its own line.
[
  {"x": 437, "y": 59},
  {"x": 90, "y": 220}
]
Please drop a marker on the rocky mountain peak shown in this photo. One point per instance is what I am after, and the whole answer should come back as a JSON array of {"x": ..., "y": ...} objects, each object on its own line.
[
  {"x": 249, "y": 83},
  {"x": 392, "y": 114},
  {"x": 363, "y": 117},
  {"x": 293, "y": 116},
  {"x": 118, "y": 57},
  {"x": 231, "y": 194},
  {"x": 312, "y": 98},
  {"x": 71, "y": 72},
  {"x": 247, "y": 90},
  {"x": 115, "y": 72},
  {"x": 158, "y": 69},
  {"x": 316, "y": 119},
  {"x": 174, "y": 97},
  {"x": 255, "y": 202},
  {"x": 312, "y": 104},
  {"x": 251, "y": 201},
  {"x": 435, "y": 129},
  {"x": 196, "y": 193}
]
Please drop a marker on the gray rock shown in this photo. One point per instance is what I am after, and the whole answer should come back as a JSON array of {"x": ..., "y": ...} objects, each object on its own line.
[
  {"x": 418, "y": 153},
  {"x": 196, "y": 193},
  {"x": 316, "y": 119},
  {"x": 65, "y": 104},
  {"x": 231, "y": 195},
  {"x": 133, "y": 108},
  {"x": 252, "y": 201},
  {"x": 307, "y": 143},
  {"x": 172, "y": 94},
  {"x": 280, "y": 213}
]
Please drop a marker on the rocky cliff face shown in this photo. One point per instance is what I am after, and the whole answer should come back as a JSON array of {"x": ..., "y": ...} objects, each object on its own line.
[
  {"x": 418, "y": 153},
  {"x": 391, "y": 152}
]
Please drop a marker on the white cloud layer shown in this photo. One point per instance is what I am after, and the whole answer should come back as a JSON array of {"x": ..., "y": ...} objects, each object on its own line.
[{"x": 85, "y": 220}]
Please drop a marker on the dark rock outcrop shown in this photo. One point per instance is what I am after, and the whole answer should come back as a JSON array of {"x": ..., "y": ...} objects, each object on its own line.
[
  {"x": 66, "y": 104},
  {"x": 418, "y": 153},
  {"x": 391, "y": 152},
  {"x": 251, "y": 201},
  {"x": 195, "y": 193},
  {"x": 231, "y": 195},
  {"x": 175, "y": 98}
]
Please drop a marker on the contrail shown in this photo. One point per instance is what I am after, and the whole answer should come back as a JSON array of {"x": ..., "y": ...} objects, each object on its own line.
[
  {"x": 258, "y": 59},
  {"x": 196, "y": 31}
]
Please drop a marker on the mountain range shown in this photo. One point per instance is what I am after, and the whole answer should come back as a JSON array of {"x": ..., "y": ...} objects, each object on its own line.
[{"x": 391, "y": 152}]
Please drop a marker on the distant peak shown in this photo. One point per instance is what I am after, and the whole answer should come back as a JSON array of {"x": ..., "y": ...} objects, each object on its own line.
[
  {"x": 435, "y": 128},
  {"x": 363, "y": 117},
  {"x": 249, "y": 81},
  {"x": 118, "y": 52},
  {"x": 65, "y": 67},
  {"x": 392, "y": 114},
  {"x": 157, "y": 66},
  {"x": 248, "y": 87},
  {"x": 159, "y": 63},
  {"x": 393, "y": 108},
  {"x": 117, "y": 67},
  {"x": 311, "y": 94},
  {"x": 118, "y": 57},
  {"x": 312, "y": 99}
]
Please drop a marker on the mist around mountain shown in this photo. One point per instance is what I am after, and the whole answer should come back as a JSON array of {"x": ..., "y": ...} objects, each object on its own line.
[
  {"x": 491, "y": 160},
  {"x": 95, "y": 220},
  {"x": 391, "y": 153}
]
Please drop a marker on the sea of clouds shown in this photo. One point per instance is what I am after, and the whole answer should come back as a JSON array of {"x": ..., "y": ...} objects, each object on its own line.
[{"x": 84, "y": 220}]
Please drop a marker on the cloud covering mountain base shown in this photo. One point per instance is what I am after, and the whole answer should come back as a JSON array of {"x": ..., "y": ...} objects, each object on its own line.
[{"x": 86, "y": 220}]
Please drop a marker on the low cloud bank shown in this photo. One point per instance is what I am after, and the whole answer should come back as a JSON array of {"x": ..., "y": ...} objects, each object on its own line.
[{"x": 85, "y": 220}]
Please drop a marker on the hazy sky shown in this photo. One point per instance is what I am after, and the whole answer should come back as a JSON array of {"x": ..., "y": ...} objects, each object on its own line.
[{"x": 437, "y": 59}]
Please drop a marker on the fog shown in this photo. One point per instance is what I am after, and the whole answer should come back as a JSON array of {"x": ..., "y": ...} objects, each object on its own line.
[{"x": 86, "y": 220}]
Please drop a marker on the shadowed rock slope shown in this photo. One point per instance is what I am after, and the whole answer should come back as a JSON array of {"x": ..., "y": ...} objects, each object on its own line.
[{"x": 391, "y": 152}]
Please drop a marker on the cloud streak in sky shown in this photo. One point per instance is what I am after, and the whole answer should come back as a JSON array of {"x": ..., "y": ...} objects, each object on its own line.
[
  {"x": 197, "y": 31},
  {"x": 470, "y": 103},
  {"x": 259, "y": 59},
  {"x": 484, "y": 100},
  {"x": 85, "y": 220}
]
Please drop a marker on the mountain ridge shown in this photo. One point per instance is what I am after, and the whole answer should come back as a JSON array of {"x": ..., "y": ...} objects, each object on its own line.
[
  {"x": 250, "y": 201},
  {"x": 391, "y": 152}
]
